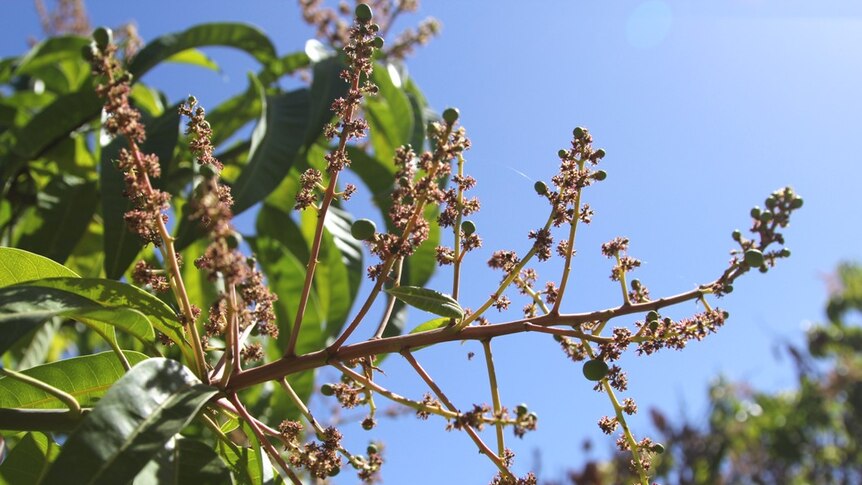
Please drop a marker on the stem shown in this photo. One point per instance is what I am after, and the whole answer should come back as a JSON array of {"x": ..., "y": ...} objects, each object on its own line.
[
  {"x": 618, "y": 410},
  {"x": 456, "y": 272},
  {"x": 505, "y": 284},
  {"x": 328, "y": 195},
  {"x": 64, "y": 397},
  {"x": 573, "y": 231},
  {"x": 264, "y": 441},
  {"x": 286, "y": 366},
  {"x": 390, "y": 305},
  {"x": 495, "y": 396},
  {"x": 419, "y": 208},
  {"x": 534, "y": 295},
  {"x": 419, "y": 406},
  {"x": 219, "y": 433},
  {"x": 483, "y": 448},
  {"x": 623, "y": 284}
]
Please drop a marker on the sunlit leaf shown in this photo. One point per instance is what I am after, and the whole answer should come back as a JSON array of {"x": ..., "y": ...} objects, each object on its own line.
[
  {"x": 86, "y": 378},
  {"x": 131, "y": 424},
  {"x": 429, "y": 300}
]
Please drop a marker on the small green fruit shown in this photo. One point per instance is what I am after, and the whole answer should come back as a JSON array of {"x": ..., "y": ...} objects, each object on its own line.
[
  {"x": 335, "y": 471},
  {"x": 363, "y": 229},
  {"x": 378, "y": 42},
  {"x": 771, "y": 201},
  {"x": 796, "y": 202},
  {"x": 88, "y": 52},
  {"x": 755, "y": 212},
  {"x": 652, "y": 316},
  {"x": 766, "y": 216},
  {"x": 327, "y": 390},
  {"x": 636, "y": 284},
  {"x": 451, "y": 115},
  {"x": 562, "y": 153},
  {"x": 599, "y": 154},
  {"x": 363, "y": 12},
  {"x": 595, "y": 369},
  {"x": 600, "y": 175},
  {"x": 736, "y": 235},
  {"x": 103, "y": 37},
  {"x": 368, "y": 424},
  {"x": 579, "y": 133},
  {"x": 728, "y": 288},
  {"x": 753, "y": 258},
  {"x": 469, "y": 227},
  {"x": 521, "y": 409},
  {"x": 784, "y": 253},
  {"x": 540, "y": 187},
  {"x": 233, "y": 240},
  {"x": 372, "y": 449},
  {"x": 657, "y": 448}
]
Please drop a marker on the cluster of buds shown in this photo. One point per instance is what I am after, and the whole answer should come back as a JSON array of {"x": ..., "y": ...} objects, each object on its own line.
[
  {"x": 662, "y": 333},
  {"x": 222, "y": 259},
  {"x": 617, "y": 248},
  {"x": 321, "y": 460},
  {"x": 573, "y": 176},
  {"x": 147, "y": 218}
]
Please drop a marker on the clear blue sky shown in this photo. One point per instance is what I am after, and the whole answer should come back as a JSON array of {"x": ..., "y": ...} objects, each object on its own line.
[{"x": 703, "y": 107}]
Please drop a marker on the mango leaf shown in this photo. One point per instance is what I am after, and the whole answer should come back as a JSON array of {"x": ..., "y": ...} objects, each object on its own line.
[
  {"x": 432, "y": 324},
  {"x": 389, "y": 114},
  {"x": 131, "y": 424},
  {"x": 422, "y": 114},
  {"x": 51, "y": 52},
  {"x": 121, "y": 245},
  {"x": 326, "y": 86},
  {"x": 194, "y": 57},
  {"x": 246, "y": 463},
  {"x": 86, "y": 378},
  {"x": 27, "y": 462},
  {"x": 228, "y": 34},
  {"x": 275, "y": 143},
  {"x": 338, "y": 222},
  {"x": 63, "y": 212},
  {"x": 25, "y": 308},
  {"x": 113, "y": 294},
  {"x": 55, "y": 122},
  {"x": 429, "y": 300},
  {"x": 185, "y": 461},
  {"x": 234, "y": 113},
  {"x": 17, "y": 265}
]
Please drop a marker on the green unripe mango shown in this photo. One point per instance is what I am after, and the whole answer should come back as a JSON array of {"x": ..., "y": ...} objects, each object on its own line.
[
  {"x": 521, "y": 409},
  {"x": 753, "y": 258},
  {"x": 451, "y": 115},
  {"x": 103, "y": 37},
  {"x": 363, "y": 229},
  {"x": 378, "y": 42},
  {"x": 233, "y": 239},
  {"x": 600, "y": 175},
  {"x": 540, "y": 187},
  {"x": 579, "y": 133},
  {"x": 595, "y": 369},
  {"x": 327, "y": 390},
  {"x": 657, "y": 448},
  {"x": 363, "y": 12},
  {"x": 469, "y": 227}
]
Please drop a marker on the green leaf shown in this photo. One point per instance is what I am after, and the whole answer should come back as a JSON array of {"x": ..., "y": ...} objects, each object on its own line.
[
  {"x": 275, "y": 143},
  {"x": 63, "y": 212},
  {"x": 246, "y": 463},
  {"x": 24, "y": 308},
  {"x": 421, "y": 116},
  {"x": 55, "y": 122},
  {"x": 228, "y": 34},
  {"x": 185, "y": 461},
  {"x": 326, "y": 87},
  {"x": 17, "y": 266},
  {"x": 432, "y": 324},
  {"x": 121, "y": 245},
  {"x": 194, "y": 57},
  {"x": 51, "y": 52},
  {"x": 86, "y": 378},
  {"x": 338, "y": 222},
  {"x": 233, "y": 114},
  {"x": 113, "y": 294},
  {"x": 26, "y": 463},
  {"x": 390, "y": 116},
  {"x": 429, "y": 300},
  {"x": 131, "y": 424}
]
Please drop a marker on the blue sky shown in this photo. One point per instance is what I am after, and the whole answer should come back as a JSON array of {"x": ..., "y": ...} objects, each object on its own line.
[{"x": 704, "y": 108}]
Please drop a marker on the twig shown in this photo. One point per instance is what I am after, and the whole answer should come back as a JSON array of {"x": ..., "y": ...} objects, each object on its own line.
[
  {"x": 495, "y": 395},
  {"x": 483, "y": 448}
]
